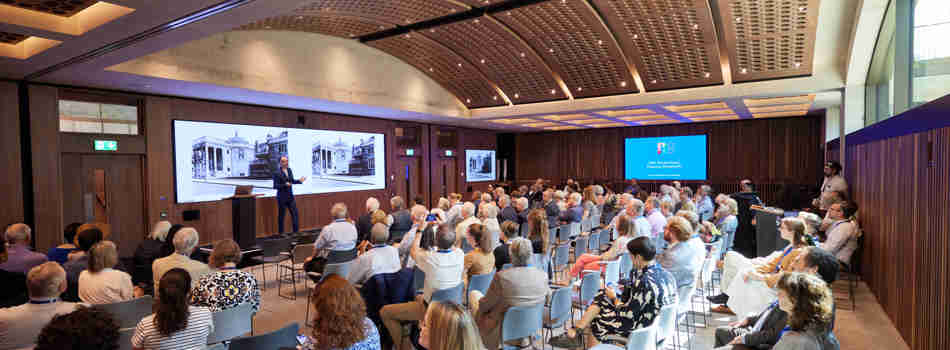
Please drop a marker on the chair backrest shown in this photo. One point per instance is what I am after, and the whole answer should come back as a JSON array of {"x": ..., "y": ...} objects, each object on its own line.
[
  {"x": 274, "y": 246},
  {"x": 604, "y": 238},
  {"x": 626, "y": 264},
  {"x": 480, "y": 282},
  {"x": 585, "y": 225},
  {"x": 128, "y": 313},
  {"x": 231, "y": 323},
  {"x": 553, "y": 233},
  {"x": 125, "y": 338},
  {"x": 590, "y": 284},
  {"x": 666, "y": 323},
  {"x": 522, "y": 321},
  {"x": 594, "y": 243},
  {"x": 612, "y": 272},
  {"x": 685, "y": 294},
  {"x": 453, "y": 294},
  {"x": 643, "y": 338},
  {"x": 342, "y": 269},
  {"x": 580, "y": 246},
  {"x": 284, "y": 338},
  {"x": 561, "y": 255},
  {"x": 507, "y": 266},
  {"x": 301, "y": 252},
  {"x": 560, "y": 306},
  {"x": 573, "y": 230},
  {"x": 594, "y": 221}
]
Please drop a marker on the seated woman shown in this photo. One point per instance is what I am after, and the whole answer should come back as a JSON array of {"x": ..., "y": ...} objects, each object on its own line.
[
  {"x": 61, "y": 252},
  {"x": 447, "y": 326},
  {"x": 538, "y": 232},
  {"x": 609, "y": 318},
  {"x": 100, "y": 283},
  {"x": 340, "y": 321},
  {"x": 745, "y": 293},
  {"x": 226, "y": 286},
  {"x": 151, "y": 248},
  {"x": 626, "y": 230},
  {"x": 481, "y": 260},
  {"x": 809, "y": 304},
  {"x": 509, "y": 231},
  {"x": 174, "y": 325}
]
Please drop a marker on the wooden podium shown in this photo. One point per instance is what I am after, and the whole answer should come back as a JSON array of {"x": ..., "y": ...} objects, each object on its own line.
[
  {"x": 244, "y": 220},
  {"x": 767, "y": 237}
]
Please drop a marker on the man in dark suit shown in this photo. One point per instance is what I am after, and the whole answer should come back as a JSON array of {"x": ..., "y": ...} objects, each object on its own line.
[
  {"x": 744, "y": 241},
  {"x": 550, "y": 207},
  {"x": 283, "y": 182}
]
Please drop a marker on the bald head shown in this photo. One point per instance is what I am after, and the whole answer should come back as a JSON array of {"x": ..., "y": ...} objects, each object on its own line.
[
  {"x": 338, "y": 211},
  {"x": 379, "y": 234},
  {"x": 18, "y": 234},
  {"x": 185, "y": 241},
  {"x": 468, "y": 209},
  {"x": 47, "y": 280}
]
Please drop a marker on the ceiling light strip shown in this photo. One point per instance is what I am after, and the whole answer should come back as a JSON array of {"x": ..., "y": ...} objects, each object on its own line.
[{"x": 191, "y": 18}]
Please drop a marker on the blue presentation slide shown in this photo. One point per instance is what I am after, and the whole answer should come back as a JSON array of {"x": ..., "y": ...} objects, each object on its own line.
[{"x": 665, "y": 158}]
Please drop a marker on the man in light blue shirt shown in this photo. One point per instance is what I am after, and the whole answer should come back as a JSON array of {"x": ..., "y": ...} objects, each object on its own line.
[
  {"x": 336, "y": 244},
  {"x": 681, "y": 259},
  {"x": 705, "y": 206}
]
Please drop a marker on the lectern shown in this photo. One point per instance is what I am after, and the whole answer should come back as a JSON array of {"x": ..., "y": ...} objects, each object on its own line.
[
  {"x": 244, "y": 219},
  {"x": 767, "y": 237}
]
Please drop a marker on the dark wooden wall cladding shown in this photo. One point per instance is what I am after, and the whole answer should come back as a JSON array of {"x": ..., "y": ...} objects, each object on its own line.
[
  {"x": 11, "y": 209},
  {"x": 771, "y": 152},
  {"x": 902, "y": 187}
]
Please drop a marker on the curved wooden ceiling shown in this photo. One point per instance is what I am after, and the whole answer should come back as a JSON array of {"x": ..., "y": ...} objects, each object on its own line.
[{"x": 494, "y": 52}]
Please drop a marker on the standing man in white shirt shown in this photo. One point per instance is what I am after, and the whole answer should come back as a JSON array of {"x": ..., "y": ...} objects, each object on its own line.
[
  {"x": 20, "y": 325},
  {"x": 375, "y": 258},
  {"x": 442, "y": 268},
  {"x": 833, "y": 182}
]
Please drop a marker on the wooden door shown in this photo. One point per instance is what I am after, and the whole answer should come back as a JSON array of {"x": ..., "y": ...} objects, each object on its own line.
[
  {"x": 408, "y": 180},
  {"x": 447, "y": 180},
  {"x": 106, "y": 189}
]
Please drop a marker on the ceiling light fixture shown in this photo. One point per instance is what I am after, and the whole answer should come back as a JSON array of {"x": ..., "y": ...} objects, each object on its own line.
[
  {"x": 636, "y": 36},
  {"x": 738, "y": 19},
  {"x": 476, "y": 21},
  {"x": 551, "y": 50},
  {"x": 468, "y": 100},
  {"x": 653, "y": 81},
  {"x": 553, "y": 91},
  {"x": 695, "y": 26},
  {"x": 432, "y": 30},
  {"x": 266, "y": 27},
  {"x": 494, "y": 98},
  {"x": 431, "y": 70},
  {"x": 798, "y": 64},
  {"x": 522, "y": 54},
  {"x": 743, "y": 71},
  {"x": 802, "y": 9},
  {"x": 516, "y": 95},
  {"x": 706, "y": 75},
  {"x": 483, "y": 61},
  {"x": 299, "y": 17},
  {"x": 623, "y": 84},
  {"x": 579, "y": 88},
  {"x": 460, "y": 65},
  {"x": 600, "y": 42},
  {"x": 408, "y": 36},
  {"x": 508, "y": 13}
]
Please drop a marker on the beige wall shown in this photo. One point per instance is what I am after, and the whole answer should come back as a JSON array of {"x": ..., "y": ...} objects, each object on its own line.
[{"x": 300, "y": 64}]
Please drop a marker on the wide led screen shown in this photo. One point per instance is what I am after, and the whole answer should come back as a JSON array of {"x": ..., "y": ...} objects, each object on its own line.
[{"x": 665, "y": 158}]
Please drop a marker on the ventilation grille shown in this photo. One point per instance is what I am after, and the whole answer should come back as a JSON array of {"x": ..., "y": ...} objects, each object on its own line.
[
  {"x": 341, "y": 26},
  {"x": 504, "y": 59},
  {"x": 769, "y": 39},
  {"x": 671, "y": 42},
  {"x": 453, "y": 72},
  {"x": 569, "y": 37},
  {"x": 400, "y": 12},
  {"x": 65, "y": 8}
]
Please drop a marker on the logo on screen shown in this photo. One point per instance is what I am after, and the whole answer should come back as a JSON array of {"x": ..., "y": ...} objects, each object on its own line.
[{"x": 665, "y": 148}]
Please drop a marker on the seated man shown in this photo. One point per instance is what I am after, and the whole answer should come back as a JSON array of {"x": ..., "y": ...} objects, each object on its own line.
[
  {"x": 185, "y": 241},
  {"x": 418, "y": 215},
  {"x": 336, "y": 244},
  {"x": 467, "y": 214},
  {"x": 574, "y": 212},
  {"x": 375, "y": 258},
  {"x": 843, "y": 233},
  {"x": 20, "y": 325},
  {"x": 20, "y": 258},
  {"x": 84, "y": 329},
  {"x": 516, "y": 286},
  {"x": 681, "y": 259},
  {"x": 442, "y": 268},
  {"x": 763, "y": 330},
  {"x": 648, "y": 290}
]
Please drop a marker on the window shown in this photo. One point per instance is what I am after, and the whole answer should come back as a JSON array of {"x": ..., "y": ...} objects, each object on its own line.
[
  {"x": 879, "y": 91},
  {"x": 931, "y": 61},
  {"x": 98, "y": 118}
]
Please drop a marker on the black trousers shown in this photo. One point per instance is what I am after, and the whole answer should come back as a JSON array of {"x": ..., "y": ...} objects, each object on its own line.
[{"x": 292, "y": 207}]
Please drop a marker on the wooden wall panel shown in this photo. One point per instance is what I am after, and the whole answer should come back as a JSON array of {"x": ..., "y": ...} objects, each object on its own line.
[
  {"x": 769, "y": 151},
  {"x": 11, "y": 180},
  {"x": 47, "y": 172}
]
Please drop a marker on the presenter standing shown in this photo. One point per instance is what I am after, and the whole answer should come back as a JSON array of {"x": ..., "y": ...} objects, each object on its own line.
[{"x": 283, "y": 183}]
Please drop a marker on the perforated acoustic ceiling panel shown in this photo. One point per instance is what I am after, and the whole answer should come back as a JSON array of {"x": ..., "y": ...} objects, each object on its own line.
[
  {"x": 671, "y": 42},
  {"x": 570, "y": 37},
  {"x": 65, "y": 8},
  {"x": 12, "y": 38},
  {"x": 450, "y": 70},
  {"x": 401, "y": 12},
  {"x": 502, "y": 56},
  {"x": 336, "y": 25},
  {"x": 769, "y": 39}
]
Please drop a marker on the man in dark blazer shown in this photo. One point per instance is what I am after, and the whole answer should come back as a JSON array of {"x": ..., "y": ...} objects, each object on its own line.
[
  {"x": 755, "y": 332},
  {"x": 283, "y": 182},
  {"x": 550, "y": 207}
]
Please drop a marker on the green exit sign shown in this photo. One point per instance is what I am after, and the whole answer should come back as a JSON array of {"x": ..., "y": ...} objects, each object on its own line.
[
  {"x": 106, "y": 145},
  {"x": 448, "y": 153},
  {"x": 410, "y": 152}
]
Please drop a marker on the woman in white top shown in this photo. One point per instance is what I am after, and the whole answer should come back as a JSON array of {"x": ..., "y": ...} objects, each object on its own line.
[
  {"x": 626, "y": 230},
  {"x": 174, "y": 325},
  {"x": 100, "y": 283}
]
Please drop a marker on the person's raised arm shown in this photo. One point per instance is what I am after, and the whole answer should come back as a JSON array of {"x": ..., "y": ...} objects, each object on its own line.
[{"x": 416, "y": 249}]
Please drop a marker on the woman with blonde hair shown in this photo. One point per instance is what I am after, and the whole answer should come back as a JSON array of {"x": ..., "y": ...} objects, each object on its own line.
[
  {"x": 538, "y": 232},
  {"x": 809, "y": 304},
  {"x": 100, "y": 283},
  {"x": 626, "y": 231},
  {"x": 379, "y": 217},
  {"x": 480, "y": 260},
  {"x": 448, "y": 326},
  {"x": 340, "y": 321}
]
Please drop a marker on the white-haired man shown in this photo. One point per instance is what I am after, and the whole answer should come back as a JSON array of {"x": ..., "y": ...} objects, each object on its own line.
[
  {"x": 375, "y": 258},
  {"x": 551, "y": 208},
  {"x": 20, "y": 325},
  {"x": 400, "y": 218},
  {"x": 705, "y": 207},
  {"x": 418, "y": 214},
  {"x": 468, "y": 218},
  {"x": 185, "y": 242},
  {"x": 336, "y": 244},
  {"x": 365, "y": 222},
  {"x": 20, "y": 258},
  {"x": 507, "y": 212},
  {"x": 574, "y": 211}
]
